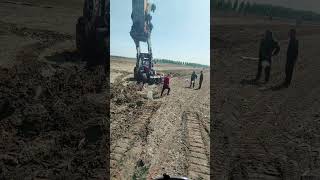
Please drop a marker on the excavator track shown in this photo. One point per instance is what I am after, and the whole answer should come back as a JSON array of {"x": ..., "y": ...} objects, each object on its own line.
[
  {"x": 121, "y": 154},
  {"x": 199, "y": 167}
]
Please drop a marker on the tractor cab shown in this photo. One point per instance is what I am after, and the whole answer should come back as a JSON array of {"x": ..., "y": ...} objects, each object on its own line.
[{"x": 145, "y": 65}]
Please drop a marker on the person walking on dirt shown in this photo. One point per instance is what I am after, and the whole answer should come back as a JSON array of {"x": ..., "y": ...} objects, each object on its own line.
[
  {"x": 166, "y": 84},
  {"x": 268, "y": 48},
  {"x": 193, "y": 79},
  {"x": 200, "y": 80},
  {"x": 292, "y": 56}
]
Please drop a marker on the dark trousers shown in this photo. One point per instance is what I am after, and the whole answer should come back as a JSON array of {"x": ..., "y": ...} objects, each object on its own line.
[
  {"x": 200, "y": 83},
  {"x": 289, "y": 71},
  {"x": 164, "y": 88},
  {"x": 267, "y": 71}
]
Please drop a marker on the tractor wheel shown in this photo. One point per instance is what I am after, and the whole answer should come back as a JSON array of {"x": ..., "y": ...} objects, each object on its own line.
[
  {"x": 158, "y": 81},
  {"x": 135, "y": 74},
  {"x": 151, "y": 81},
  {"x": 145, "y": 78}
]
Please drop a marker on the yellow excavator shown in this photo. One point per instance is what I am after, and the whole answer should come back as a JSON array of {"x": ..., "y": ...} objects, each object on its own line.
[{"x": 141, "y": 32}]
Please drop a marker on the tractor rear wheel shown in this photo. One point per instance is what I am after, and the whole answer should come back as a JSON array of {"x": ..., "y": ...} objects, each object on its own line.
[
  {"x": 151, "y": 81},
  {"x": 135, "y": 73}
]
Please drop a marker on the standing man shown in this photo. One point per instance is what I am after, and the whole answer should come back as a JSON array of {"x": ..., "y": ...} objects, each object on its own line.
[
  {"x": 166, "y": 85},
  {"x": 201, "y": 79},
  {"x": 268, "y": 48},
  {"x": 193, "y": 79},
  {"x": 292, "y": 56}
]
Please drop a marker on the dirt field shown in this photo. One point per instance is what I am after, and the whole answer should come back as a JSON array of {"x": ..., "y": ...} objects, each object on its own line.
[
  {"x": 52, "y": 110},
  {"x": 168, "y": 134},
  {"x": 264, "y": 134}
]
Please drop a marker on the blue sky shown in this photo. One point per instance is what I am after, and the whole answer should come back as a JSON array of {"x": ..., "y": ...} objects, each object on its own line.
[{"x": 181, "y": 30}]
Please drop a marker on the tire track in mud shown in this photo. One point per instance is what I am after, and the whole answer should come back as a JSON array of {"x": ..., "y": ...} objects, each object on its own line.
[
  {"x": 198, "y": 156},
  {"x": 45, "y": 38},
  {"x": 25, "y": 4},
  {"x": 40, "y": 34},
  {"x": 122, "y": 153}
]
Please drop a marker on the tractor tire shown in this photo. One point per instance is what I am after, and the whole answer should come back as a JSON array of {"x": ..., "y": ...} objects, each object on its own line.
[
  {"x": 158, "y": 81},
  {"x": 135, "y": 74},
  {"x": 151, "y": 81},
  {"x": 145, "y": 78}
]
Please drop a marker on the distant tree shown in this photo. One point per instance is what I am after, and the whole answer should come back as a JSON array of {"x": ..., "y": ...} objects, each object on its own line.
[
  {"x": 241, "y": 7},
  {"x": 235, "y": 5},
  {"x": 229, "y": 6},
  {"x": 219, "y": 4},
  {"x": 247, "y": 7},
  {"x": 214, "y": 4}
]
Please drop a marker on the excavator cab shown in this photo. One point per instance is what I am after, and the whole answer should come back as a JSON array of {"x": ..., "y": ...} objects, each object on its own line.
[{"x": 146, "y": 65}]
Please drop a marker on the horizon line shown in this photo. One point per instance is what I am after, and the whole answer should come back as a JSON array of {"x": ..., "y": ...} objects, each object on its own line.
[{"x": 155, "y": 58}]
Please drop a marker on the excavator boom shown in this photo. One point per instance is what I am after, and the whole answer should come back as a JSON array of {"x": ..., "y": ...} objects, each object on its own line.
[
  {"x": 92, "y": 31},
  {"x": 141, "y": 32}
]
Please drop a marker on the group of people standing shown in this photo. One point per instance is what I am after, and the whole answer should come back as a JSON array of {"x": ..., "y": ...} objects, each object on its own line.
[
  {"x": 166, "y": 82},
  {"x": 269, "y": 48},
  {"x": 194, "y": 77}
]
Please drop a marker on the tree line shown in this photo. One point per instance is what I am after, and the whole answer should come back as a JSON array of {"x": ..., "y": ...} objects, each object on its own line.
[
  {"x": 168, "y": 61},
  {"x": 246, "y": 7}
]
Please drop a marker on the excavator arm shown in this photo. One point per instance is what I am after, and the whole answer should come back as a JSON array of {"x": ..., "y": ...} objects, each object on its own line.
[
  {"x": 141, "y": 32},
  {"x": 92, "y": 31}
]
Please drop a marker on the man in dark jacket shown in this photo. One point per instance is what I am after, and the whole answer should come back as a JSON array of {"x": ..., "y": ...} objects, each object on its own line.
[
  {"x": 292, "y": 56},
  {"x": 193, "y": 79},
  {"x": 200, "y": 80},
  {"x": 268, "y": 48}
]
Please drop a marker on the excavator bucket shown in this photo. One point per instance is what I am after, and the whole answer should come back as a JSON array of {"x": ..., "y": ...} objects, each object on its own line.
[{"x": 141, "y": 28}]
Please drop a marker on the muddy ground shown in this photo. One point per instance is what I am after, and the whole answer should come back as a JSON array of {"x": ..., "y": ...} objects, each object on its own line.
[
  {"x": 168, "y": 134},
  {"x": 53, "y": 121},
  {"x": 259, "y": 133}
]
